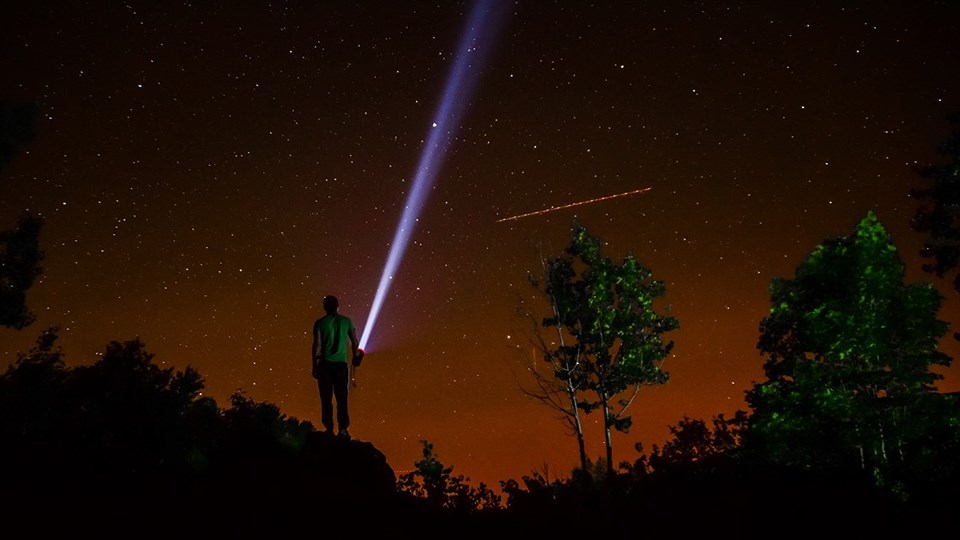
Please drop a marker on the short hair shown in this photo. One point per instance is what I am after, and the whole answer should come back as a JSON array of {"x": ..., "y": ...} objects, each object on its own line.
[{"x": 330, "y": 303}]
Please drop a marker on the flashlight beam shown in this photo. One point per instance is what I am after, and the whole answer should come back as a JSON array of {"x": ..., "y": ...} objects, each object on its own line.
[
  {"x": 475, "y": 43},
  {"x": 579, "y": 203}
]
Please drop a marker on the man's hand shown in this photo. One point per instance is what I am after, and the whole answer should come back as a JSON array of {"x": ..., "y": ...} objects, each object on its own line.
[{"x": 358, "y": 355}]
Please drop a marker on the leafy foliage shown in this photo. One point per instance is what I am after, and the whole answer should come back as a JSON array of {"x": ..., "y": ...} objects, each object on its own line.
[
  {"x": 849, "y": 348},
  {"x": 435, "y": 484},
  {"x": 607, "y": 309},
  {"x": 696, "y": 443}
]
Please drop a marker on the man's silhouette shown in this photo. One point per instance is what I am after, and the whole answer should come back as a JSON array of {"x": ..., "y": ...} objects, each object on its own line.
[{"x": 335, "y": 346}]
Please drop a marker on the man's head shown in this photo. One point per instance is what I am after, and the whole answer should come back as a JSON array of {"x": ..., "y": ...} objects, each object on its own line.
[{"x": 331, "y": 304}]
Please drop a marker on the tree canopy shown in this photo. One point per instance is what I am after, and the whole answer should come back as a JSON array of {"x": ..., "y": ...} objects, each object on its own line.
[
  {"x": 616, "y": 344},
  {"x": 849, "y": 349}
]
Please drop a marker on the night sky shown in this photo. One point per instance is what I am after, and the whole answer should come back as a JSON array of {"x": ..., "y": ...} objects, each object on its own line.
[{"x": 209, "y": 170}]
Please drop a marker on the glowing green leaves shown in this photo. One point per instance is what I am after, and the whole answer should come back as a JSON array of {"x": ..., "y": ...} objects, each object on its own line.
[{"x": 848, "y": 346}]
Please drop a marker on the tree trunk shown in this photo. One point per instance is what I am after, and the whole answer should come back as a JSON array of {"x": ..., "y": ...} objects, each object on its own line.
[
  {"x": 577, "y": 425},
  {"x": 604, "y": 399}
]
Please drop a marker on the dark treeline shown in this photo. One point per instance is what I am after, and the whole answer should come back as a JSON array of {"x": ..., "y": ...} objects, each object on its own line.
[{"x": 123, "y": 446}]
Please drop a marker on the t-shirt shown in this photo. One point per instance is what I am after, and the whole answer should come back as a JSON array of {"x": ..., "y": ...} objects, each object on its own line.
[{"x": 333, "y": 334}]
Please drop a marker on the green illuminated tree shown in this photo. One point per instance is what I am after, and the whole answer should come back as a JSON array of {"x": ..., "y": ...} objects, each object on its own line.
[
  {"x": 616, "y": 345},
  {"x": 849, "y": 348}
]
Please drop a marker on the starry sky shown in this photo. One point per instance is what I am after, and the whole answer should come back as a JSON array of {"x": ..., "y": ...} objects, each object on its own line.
[{"x": 209, "y": 170}]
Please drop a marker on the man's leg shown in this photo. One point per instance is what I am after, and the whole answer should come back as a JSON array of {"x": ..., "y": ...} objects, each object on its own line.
[
  {"x": 325, "y": 383},
  {"x": 341, "y": 381}
]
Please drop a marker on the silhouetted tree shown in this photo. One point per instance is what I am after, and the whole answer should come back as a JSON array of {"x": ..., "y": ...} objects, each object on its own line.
[
  {"x": 123, "y": 437},
  {"x": 130, "y": 413},
  {"x": 20, "y": 253},
  {"x": 559, "y": 386},
  {"x": 441, "y": 490},
  {"x": 615, "y": 344},
  {"x": 119, "y": 424},
  {"x": 849, "y": 349},
  {"x": 20, "y": 257},
  {"x": 32, "y": 403},
  {"x": 17, "y": 127},
  {"x": 939, "y": 214},
  {"x": 255, "y": 427},
  {"x": 694, "y": 443}
]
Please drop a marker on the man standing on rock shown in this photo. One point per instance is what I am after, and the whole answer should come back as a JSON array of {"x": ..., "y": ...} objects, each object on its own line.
[{"x": 335, "y": 347}]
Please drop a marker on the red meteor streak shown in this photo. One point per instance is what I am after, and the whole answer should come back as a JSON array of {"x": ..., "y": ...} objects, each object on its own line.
[{"x": 552, "y": 208}]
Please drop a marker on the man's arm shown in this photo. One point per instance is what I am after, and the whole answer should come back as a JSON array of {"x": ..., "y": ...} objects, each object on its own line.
[
  {"x": 357, "y": 355},
  {"x": 315, "y": 350},
  {"x": 354, "y": 342}
]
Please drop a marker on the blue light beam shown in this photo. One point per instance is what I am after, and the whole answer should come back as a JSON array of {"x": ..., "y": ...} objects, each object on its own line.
[{"x": 475, "y": 43}]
